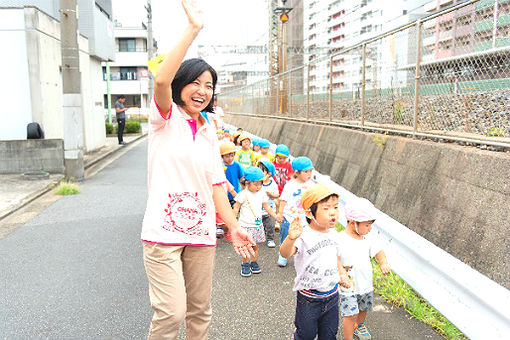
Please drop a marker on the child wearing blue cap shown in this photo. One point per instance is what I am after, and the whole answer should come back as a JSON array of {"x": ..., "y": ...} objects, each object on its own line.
[
  {"x": 264, "y": 151},
  {"x": 256, "y": 147},
  {"x": 271, "y": 189},
  {"x": 283, "y": 168},
  {"x": 249, "y": 205},
  {"x": 290, "y": 205}
]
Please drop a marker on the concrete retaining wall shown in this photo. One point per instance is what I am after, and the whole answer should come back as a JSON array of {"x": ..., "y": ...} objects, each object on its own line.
[
  {"x": 19, "y": 156},
  {"x": 456, "y": 197}
]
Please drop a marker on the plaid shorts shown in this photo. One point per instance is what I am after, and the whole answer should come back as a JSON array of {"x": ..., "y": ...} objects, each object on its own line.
[{"x": 352, "y": 304}]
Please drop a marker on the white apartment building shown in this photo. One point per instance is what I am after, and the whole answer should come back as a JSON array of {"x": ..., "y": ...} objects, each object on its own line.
[
  {"x": 129, "y": 73},
  {"x": 339, "y": 24}
]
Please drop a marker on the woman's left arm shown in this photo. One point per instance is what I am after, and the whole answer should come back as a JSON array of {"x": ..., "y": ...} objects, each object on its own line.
[{"x": 241, "y": 240}]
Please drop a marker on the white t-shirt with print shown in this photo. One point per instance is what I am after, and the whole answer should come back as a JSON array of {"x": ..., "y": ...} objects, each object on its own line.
[
  {"x": 272, "y": 188},
  {"x": 251, "y": 207},
  {"x": 356, "y": 254},
  {"x": 316, "y": 260},
  {"x": 291, "y": 194}
]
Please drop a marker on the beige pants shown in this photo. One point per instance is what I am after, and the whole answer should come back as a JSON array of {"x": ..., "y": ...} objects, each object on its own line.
[{"x": 180, "y": 281}]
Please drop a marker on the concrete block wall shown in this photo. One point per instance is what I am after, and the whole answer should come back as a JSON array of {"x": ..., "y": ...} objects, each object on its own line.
[
  {"x": 456, "y": 197},
  {"x": 20, "y": 156}
]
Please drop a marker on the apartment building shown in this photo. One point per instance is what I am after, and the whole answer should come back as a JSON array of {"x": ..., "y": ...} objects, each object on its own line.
[
  {"x": 340, "y": 24},
  {"x": 129, "y": 73}
]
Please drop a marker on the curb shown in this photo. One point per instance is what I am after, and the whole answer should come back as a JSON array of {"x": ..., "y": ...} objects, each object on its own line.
[
  {"x": 29, "y": 198},
  {"x": 35, "y": 195},
  {"x": 110, "y": 152}
]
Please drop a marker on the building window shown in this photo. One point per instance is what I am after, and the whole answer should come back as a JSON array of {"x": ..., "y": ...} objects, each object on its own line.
[
  {"x": 127, "y": 45},
  {"x": 128, "y": 73}
]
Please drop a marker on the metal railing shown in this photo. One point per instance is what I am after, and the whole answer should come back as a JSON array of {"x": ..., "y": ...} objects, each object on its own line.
[{"x": 446, "y": 76}]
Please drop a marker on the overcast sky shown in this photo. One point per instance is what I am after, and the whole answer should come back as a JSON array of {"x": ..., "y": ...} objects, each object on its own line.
[{"x": 228, "y": 22}]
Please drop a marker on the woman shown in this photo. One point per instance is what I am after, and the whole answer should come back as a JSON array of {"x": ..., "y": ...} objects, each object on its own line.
[{"x": 185, "y": 187}]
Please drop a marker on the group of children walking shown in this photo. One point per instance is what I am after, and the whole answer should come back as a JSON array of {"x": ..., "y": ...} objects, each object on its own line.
[{"x": 333, "y": 269}]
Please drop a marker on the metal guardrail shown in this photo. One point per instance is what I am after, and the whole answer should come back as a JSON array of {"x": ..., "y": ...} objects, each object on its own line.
[
  {"x": 447, "y": 73},
  {"x": 475, "y": 304}
]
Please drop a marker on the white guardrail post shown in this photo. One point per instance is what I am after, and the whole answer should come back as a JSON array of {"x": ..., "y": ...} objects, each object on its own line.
[{"x": 475, "y": 304}]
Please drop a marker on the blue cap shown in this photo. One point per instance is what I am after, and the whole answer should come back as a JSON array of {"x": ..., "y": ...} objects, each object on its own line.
[
  {"x": 282, "y": 150},
  {"x": 253, "y": 174},
  {"x": 269, "y": 166},
  {"x": 255, "y": 141},
  {"x": 264, "y": 143},
  {"x": 302, "y": 164}
]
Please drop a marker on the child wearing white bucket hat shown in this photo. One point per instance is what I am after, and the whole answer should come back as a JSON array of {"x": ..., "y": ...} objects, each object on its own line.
[{"x": 356, "y": 249}]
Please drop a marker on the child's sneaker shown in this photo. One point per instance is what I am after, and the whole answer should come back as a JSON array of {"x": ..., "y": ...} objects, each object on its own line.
[
  {"x": 228, "y": 237},
  {"x": 219, "y": 232},
  {"x": 362, "y": 332},
  {"x": 255, "y": 268},
  {"x": 271, "y": 244},
  {"x": 282, "y": 261},
  {"x": 245, "y": 269}
]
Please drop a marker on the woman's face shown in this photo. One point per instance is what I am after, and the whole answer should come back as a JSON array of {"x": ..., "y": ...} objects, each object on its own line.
[{"x": 197, "y": 94}]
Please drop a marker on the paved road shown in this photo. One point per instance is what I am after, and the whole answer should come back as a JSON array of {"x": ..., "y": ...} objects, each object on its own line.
[{"x": 75, "y": 271}]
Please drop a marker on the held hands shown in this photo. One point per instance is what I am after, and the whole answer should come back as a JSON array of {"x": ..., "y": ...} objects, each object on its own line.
[
  {"x": 242, "y": 243},
  {"x": 195, "y": 14},
  {"x": 385, "y": 268},
  {"x": 295, "y": 229},
  {"x": 279, "y": 218},
  {"x": 345, "y": 281}
]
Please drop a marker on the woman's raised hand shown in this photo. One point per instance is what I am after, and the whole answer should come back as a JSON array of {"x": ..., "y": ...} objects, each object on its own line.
[{"x": 195, "y": 14}]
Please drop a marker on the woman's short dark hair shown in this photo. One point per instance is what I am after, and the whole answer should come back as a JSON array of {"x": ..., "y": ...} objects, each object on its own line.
[{"x": 189, "y": 71}]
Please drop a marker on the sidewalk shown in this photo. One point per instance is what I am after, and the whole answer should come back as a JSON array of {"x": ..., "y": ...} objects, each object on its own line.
[{"x": 16, "y": 192}]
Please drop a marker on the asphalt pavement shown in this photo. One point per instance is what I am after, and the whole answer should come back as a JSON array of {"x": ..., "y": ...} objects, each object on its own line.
[{"x": 75, "y": 271}]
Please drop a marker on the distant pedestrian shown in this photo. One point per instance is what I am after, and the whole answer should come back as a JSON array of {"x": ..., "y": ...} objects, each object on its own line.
[
  {"x": 319, "y": 270},
  {"x": 249, "y": 205},
  {"x": 219, "y": 114},
  {"x": 356, "y": 249},
  {"x": 185, "y": 189},
  {"x": 120, "y": 111}
]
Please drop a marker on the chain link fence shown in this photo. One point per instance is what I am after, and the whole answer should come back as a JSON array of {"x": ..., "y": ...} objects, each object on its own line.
[{"x": 447, "y": 74}]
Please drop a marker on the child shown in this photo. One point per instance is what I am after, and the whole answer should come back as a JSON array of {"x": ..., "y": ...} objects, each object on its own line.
[
  {"x": 235, "y": 139},
  {"x": 318, "y": 267},
  {"x": 264, "y": 151},
  {"x": 356, "y": 249},
  {"x": 271, "y": 190},
  {"x": 234, "y": 173},
  {"x": 256, "y": 148},
  {"x": 226, "y": 136},
  {"x": 245, "y": 155},
  {"x": 283, "y": 168},
  {"x": 290, "y": 206},
  {"x": 249, "y": 204}
]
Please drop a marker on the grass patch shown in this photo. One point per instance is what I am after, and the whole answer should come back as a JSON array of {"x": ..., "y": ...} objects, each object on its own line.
[
  {"x": 394, "y": 290},
  {"x": 66, "y": 188}
]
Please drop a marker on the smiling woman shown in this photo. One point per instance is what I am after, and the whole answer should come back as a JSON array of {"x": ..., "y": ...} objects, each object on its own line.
[{"x": 185, "y": 190}]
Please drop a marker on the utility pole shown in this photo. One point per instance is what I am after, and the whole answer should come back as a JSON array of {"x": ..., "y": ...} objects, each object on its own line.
[
  {"x": 150, "y": 43},
  {"x": 72, "y": 102}
]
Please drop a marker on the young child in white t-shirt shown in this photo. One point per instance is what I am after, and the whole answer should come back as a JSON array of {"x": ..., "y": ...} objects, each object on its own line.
[
  {"x": 356, "y": 249},
  {"x": 271, "y": 189},
  {"x": 319, "y": 271},
  {"x": 289, "y": 204},
  {"x": 249, "y": 204}
]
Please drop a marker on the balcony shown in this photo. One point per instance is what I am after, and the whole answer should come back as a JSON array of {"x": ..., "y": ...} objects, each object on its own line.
[{"x": 137, "y": 58}]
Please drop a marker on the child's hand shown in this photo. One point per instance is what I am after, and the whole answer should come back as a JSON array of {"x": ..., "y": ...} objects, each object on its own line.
[
  {"x": 295, "y": 229},
  {"x": 345, "y": 281},
  {"x": 385, "y": 268},
  {"x": 279, "y": 218}
]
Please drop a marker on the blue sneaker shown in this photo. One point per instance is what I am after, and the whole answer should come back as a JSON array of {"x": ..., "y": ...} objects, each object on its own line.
[
  {"x": 282, "y": 261},
  {"x": 245, "y": 269},
  {"x": 255, "y": 268},
  {"x": 361, "y": 332}
]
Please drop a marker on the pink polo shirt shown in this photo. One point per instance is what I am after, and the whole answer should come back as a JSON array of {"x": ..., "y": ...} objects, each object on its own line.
[{"x": 183, "y": 166}]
